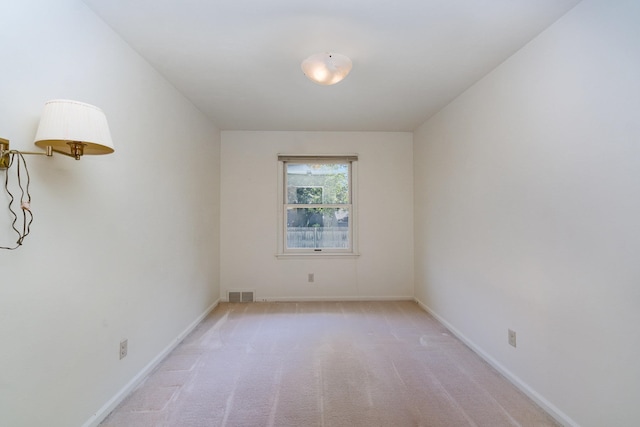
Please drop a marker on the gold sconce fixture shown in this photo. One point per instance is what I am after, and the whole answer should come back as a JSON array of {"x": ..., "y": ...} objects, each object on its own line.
[{"x": 70, "y": 128}]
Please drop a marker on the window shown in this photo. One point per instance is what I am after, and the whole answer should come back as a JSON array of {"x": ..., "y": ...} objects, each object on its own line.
[{"x": 317, "y": 199}]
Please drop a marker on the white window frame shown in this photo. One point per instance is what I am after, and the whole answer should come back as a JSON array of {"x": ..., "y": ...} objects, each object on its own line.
[{"x": 282, "y": 250}]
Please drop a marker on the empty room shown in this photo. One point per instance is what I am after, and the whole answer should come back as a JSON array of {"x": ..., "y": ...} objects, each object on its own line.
[{"x": 286, "y": 213}]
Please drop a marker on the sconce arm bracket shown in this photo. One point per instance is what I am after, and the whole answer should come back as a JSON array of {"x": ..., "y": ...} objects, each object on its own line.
[
  {"x": 4, "y": 153},
  {"x": 5, "y": 161}
]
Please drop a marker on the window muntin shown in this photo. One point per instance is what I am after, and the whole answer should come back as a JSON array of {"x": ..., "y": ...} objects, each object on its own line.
[{"x": 318, "y": 209}]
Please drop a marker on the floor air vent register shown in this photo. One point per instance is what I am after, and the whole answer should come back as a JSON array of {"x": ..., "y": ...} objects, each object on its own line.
[{"x": 240, "y": 296}]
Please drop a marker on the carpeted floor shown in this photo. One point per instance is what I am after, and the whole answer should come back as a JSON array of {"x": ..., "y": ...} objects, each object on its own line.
[{"x": 308, "y": 364}]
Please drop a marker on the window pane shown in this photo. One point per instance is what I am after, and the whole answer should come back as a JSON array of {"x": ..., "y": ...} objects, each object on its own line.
[
  {"x": 317, "y": 183},
  {"x": 317, "y": 228}
]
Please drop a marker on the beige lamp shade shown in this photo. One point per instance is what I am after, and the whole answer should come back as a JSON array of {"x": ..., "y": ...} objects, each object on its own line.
[
  {"x": 64, "y": 122},
  {"x": 326, "y": 68}
]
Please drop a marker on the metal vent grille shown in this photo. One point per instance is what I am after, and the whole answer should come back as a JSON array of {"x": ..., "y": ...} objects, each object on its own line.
[{"x": 240, "y": 296}]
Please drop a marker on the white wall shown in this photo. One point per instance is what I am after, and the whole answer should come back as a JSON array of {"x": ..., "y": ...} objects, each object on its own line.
[
  {"x": 249, "y": 217},
  {"x": 528, "y": 210},
  {"x": 122, "y": 246}
]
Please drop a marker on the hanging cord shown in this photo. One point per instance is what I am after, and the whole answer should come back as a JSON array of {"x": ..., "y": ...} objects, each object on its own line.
[{"x": 25, "y": 199}]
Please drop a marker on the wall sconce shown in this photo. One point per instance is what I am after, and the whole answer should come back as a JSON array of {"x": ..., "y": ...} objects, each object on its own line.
[
  {"x": 70, "y": 128},
  {"x": 326, "y": 68}
]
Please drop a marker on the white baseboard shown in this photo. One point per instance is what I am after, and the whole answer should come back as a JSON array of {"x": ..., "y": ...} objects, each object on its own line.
[
  {"x": 551, "y": 409},
  {"x": 106, "y": 409},
  {"x": 335, "y": 298}
]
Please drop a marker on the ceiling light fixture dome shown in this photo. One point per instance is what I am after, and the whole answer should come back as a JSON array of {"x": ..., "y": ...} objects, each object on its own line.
[{"x": 326, "y": 68}]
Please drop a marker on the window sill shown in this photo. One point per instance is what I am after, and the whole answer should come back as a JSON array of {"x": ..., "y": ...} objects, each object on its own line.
[{"x": 308, "y": 255}]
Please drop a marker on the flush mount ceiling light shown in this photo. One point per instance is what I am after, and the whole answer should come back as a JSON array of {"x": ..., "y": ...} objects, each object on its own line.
[{"x": 326, "y": 68}]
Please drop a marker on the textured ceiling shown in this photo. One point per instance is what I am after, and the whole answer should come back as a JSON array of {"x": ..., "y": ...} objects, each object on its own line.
[{"x": 238, "y": 61}]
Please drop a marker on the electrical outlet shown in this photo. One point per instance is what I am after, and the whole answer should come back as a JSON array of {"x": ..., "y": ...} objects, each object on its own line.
[
  {"x": 311, "y": 278},
  {"x": 123, "y": 349},
  {"x": 512, "y": 338}
]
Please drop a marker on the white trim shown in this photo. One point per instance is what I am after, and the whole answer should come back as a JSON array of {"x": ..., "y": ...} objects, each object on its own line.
[
  {"x": 106, "y": 409},
  {"x": 319, "y": 255},
  {"x": 325, "y": 253},
  {"x": 282, "y": 218},
  {"x": 550, "y": 408},
  {"x": 336, "y": 299},
  {"x": 302, "y": 158},
  {"x": 353, "y": 223}
]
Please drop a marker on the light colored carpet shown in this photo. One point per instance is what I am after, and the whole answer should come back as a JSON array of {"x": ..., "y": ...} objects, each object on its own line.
[{"x": 324, "y": 364}]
